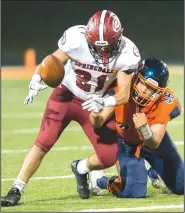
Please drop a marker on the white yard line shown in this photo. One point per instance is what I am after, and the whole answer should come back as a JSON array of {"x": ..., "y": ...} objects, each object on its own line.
[
  {"x": 68, "y": 129},
  {"x": 49, "y": 178},
  {"x": 22, "y": 115},
  {"x": 29, "y": 115},
  {"x": 36, "y": 130},
  {"x": 17, "y": 151},
  {"x": 179, "y": 206},
  {"x": 65, "y": 148}
]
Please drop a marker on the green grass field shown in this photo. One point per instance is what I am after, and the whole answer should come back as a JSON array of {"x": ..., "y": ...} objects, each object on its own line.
[{"x": 53, "y": 187}]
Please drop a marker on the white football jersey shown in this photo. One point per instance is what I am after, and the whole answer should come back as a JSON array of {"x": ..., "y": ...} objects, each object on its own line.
[{"x": 83, "y": 75}]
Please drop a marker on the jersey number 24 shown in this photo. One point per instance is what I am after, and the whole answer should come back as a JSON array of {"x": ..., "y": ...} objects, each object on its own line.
[{"x": 82, "y": 78}]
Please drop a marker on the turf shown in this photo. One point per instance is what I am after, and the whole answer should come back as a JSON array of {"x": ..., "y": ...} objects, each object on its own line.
[{"x": 20, "y": 125}]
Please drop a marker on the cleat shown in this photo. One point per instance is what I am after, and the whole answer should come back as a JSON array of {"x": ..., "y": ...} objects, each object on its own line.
[
  {"x": 93, "y": 185},
  {"x": 155, "y": 179},
  {"x": 81, "y": 180},
  {"x": 156, "y": 183},
  {"x": 12, "y": 198}
]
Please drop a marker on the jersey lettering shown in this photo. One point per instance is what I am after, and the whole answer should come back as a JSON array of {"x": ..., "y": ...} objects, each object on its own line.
[{"x": 82, "y": 78}]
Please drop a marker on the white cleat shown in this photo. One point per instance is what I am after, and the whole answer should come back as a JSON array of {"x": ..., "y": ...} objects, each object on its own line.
[{"x": 93, "y": 186}]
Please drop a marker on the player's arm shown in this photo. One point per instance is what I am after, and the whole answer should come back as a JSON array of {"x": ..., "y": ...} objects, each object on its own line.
[
  {"x": 158, "y": 131},
  {"x": 124, "y": 79},
  {"x": 124, "y": 85},
  {"x": 151, "y": 136},
  {"x": 35, "y": 85},
  {"x": 99, "y": 118},
  {"x": 62, "y": 56}
]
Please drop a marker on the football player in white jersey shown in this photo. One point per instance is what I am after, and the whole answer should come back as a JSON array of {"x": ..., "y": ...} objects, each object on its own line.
[{"x": 96, "y": 55}]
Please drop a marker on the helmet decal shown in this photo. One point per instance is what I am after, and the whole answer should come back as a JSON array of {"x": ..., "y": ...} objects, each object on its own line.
[{"x": 116, "y": 25}]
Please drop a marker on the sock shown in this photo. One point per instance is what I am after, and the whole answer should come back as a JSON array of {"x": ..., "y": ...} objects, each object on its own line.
[
  {"x": 152, "y": 173},
  {"x": 147, "y": 165},
  {"x": 19, "y": 184},
  {"x": 102, "y": 182},
  {"x": 82, "y": 167}
]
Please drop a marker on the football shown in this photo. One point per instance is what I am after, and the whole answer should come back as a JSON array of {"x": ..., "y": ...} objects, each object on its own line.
[{"x": 52, "y": 71}]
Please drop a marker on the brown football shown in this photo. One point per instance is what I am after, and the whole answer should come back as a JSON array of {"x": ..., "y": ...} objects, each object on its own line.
[{"x": 52, "y": 71}]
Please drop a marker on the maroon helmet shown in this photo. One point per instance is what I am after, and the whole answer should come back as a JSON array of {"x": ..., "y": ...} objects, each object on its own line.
[{"x": 104, "y": 36}]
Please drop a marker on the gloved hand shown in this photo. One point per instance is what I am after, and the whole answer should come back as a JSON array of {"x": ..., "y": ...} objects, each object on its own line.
[
  {"x": 96, "y": 103},
  {"x": 34, "y": 88},
  {"x": 114, "y": 185},
  {"x": 93, "y": 103}
]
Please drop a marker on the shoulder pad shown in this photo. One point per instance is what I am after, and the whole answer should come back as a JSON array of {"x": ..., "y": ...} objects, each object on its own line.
[
  {"x": 72, "y": 38},
  {"x": 129, "y": 56}
]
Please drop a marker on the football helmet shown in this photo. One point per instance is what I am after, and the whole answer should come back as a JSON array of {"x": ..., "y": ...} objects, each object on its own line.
[
  {"x": 154, "y": 74},
  {"x": 103, "y": 36}
]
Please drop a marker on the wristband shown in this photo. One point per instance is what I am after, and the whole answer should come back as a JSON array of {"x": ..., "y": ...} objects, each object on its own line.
[
  {"x": 109, "y": 101},
  {"x": 145, "y": 132},
  {"x": 36, "y": 77}
]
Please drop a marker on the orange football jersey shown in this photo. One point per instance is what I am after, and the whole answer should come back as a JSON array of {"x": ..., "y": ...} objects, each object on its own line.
[{"x": 163, "y": 110}]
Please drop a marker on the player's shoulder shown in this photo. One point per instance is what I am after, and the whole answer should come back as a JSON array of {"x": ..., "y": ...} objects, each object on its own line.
[
  {"x": 169, "y": 105},
  {"x": 78, "y": 29},
  {"x": 169, "y": 97},
  {"x": 129, "y": 56},
  {"x": 72, "y": 38}
]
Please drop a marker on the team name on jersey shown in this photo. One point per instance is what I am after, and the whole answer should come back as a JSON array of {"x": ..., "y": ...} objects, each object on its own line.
[{"x": 93, "y": 67}]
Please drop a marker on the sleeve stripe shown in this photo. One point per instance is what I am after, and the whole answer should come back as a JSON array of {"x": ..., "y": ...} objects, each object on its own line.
[{"x": 175, "y": 112}]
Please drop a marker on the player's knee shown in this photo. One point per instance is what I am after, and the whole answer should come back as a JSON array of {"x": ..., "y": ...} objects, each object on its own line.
[
  {"x": 107, "y": 161},
  {"x": 133, "y": 191},
  {"x": 179, "y": 190},
  {"x": 43, "y": 147},
  {"x": 108, "y": 157}
]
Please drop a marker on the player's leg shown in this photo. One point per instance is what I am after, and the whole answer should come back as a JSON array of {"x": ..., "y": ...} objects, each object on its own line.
[
  {"x": 104, "y": 142},
  {"x": 54, "y": 121},
  {"x": 153, "y": 176},
  {"x": 132, "y": 172},
  {"x": 167, "y": 161},
  {"x": 132, "y": 180}
]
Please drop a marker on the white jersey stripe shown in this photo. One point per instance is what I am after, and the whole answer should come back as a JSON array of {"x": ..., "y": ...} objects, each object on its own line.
[{"x": 102, "y": 18}]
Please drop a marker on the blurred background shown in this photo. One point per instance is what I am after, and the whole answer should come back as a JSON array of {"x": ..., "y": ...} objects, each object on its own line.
[{"x": 156, "y": 27}]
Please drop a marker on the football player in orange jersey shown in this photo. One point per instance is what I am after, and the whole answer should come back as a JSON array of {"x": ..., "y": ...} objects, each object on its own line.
[{"x": 141, "y": 125}]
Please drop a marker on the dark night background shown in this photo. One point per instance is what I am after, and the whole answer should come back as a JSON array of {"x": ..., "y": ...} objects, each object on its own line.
[{"x": 156, "y": 27}]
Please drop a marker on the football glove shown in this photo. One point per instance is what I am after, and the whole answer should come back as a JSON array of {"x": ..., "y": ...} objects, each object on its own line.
[
  {"x": 96, "y": 103},
  {"x": 34, "y": 88},
  {"x": 114, "y": 185}
]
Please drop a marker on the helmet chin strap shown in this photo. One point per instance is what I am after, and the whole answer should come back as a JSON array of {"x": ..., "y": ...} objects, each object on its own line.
[{"x": 104, "y": 59}]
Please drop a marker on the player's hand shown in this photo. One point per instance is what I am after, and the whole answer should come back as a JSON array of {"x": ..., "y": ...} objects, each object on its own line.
[
  {"x": 34, "y": 88},
  {"x": 114, "y": 185},
  {"x": 139, "y": 120},
  {"x": 94, "y": 103}
]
